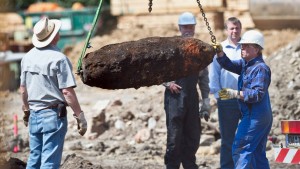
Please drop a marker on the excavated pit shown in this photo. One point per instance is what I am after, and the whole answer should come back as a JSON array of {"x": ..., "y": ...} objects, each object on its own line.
[{"x": 145, "y": 62}]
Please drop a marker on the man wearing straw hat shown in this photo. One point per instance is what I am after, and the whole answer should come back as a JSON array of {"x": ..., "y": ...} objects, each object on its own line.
[{"x": 47, "y": 87}]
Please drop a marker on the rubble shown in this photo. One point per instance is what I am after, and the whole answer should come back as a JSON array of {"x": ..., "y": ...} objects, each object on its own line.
[
  {"x": 12, "y": 163},
  {"x": 285, "y": 86},
  {"x": 74, "y": 162},
  {"x": 145, "y": 62},
  {"x": 117, "y": 149}
]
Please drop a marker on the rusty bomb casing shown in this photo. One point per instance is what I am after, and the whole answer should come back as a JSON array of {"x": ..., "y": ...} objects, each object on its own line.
[{"x": 145, "y": 62}]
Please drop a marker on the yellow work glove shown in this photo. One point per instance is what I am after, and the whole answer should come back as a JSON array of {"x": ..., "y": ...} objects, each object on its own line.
[
  {"x": 81, "y": 123},
  {"x": 218, "y": 47},
  {"x": 227, "y": 93}
]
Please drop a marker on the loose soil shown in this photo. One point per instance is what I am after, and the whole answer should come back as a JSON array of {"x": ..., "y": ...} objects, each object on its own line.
[{"x": 129, "y": 124}]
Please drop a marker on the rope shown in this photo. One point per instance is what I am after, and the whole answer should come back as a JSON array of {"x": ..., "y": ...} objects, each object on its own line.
[{"x": 79, "y": 63}]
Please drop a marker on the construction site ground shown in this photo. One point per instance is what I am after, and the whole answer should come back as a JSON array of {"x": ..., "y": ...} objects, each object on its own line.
[{"x": 127, "y": 127}]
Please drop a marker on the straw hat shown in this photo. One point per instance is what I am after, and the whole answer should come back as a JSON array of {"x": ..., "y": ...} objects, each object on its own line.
[{"x": 44, "y": 32}]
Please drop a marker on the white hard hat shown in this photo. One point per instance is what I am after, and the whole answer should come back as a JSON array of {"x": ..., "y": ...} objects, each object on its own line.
[
  {"x": 187, "y": 18},
  {"x": 253, "y": 37}
]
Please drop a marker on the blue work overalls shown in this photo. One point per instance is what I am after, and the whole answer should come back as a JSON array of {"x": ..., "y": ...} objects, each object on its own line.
[{"x": 249, "y": 146}]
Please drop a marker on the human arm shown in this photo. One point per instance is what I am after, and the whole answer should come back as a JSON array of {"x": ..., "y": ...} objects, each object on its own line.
[
  {"x": 257, "y": 83},
  {"x": 228, "y": 93},
  {"x": 225, "y": 62},
  {"x": 24, "y": 96},
  {"x": 234, "y": 66},
  {"x": 218, "y": 48},
  {"x": 203, "y": 83},
  {"x": 204, "y": 111},
  {"x": 218, "y": 76},
  {"x": 71, "y": 99},
  {"x": 25, "y": 107},
  {"x": 173, "y": 87},
  {"x": 66, "y": 82}
]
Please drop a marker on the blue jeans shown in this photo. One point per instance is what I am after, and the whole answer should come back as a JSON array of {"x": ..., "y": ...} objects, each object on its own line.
[
  {"x": 46, "y": 133},
  {"x": 229, "y": 116}
]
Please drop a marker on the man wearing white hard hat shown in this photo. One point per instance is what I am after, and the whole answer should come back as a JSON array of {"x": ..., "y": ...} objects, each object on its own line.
[
  {"x": 249, "y": 147},
  {"x": 181, "y": 105},
  {"x": 47, "y": 87}
]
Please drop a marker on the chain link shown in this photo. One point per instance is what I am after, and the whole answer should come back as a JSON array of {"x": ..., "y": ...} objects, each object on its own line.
[
  {"x": 150, "y": 6},
  {"x": 212, "y": 36}
]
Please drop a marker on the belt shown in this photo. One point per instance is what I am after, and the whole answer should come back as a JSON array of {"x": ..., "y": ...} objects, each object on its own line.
[{"x": 51, "y": 107}]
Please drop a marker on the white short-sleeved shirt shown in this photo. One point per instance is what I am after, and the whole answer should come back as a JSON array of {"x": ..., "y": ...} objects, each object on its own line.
[{"x": 44, "y": 73}]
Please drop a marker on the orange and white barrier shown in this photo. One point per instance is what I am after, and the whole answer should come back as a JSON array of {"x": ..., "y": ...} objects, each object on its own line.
[{"x": 287, "y": 155}]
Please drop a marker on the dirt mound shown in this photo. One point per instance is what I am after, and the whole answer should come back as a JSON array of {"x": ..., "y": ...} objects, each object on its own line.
[
  {"x": 285, "y": 85},
  {"x": 12, "y": 163},
  {"x": 74, "y": 162}
]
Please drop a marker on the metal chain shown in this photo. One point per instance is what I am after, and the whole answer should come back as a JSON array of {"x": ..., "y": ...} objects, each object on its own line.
[
  {"x": 150, "y": 6},
  {"x": 212, "y": 36}
]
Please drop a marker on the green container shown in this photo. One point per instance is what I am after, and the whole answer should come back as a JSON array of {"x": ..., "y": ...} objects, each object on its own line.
[{"x": 75, "y": 24}]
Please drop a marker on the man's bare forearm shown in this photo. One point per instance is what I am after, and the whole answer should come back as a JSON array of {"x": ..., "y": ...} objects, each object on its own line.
[
  {"x": 72, "y": 100},
  {"x": 24, "y": 96}
]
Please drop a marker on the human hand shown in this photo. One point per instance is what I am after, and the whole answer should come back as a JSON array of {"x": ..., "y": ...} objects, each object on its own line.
[
  {"x": 205, "y": 115},
  {"x": 227, "y": 93},
  {"x": 205, "y": 109},
  {"x": 217, "y": 46},
  {"x": 174, "y": 88},
  {"x": 81, "y": 123},
  {"x": 26, "y": 117}
]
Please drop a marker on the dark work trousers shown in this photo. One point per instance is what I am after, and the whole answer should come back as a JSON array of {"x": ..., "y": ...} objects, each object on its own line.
[
  {"x": 229, "y": 115},
  {"x": 183, "y": 125}
]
